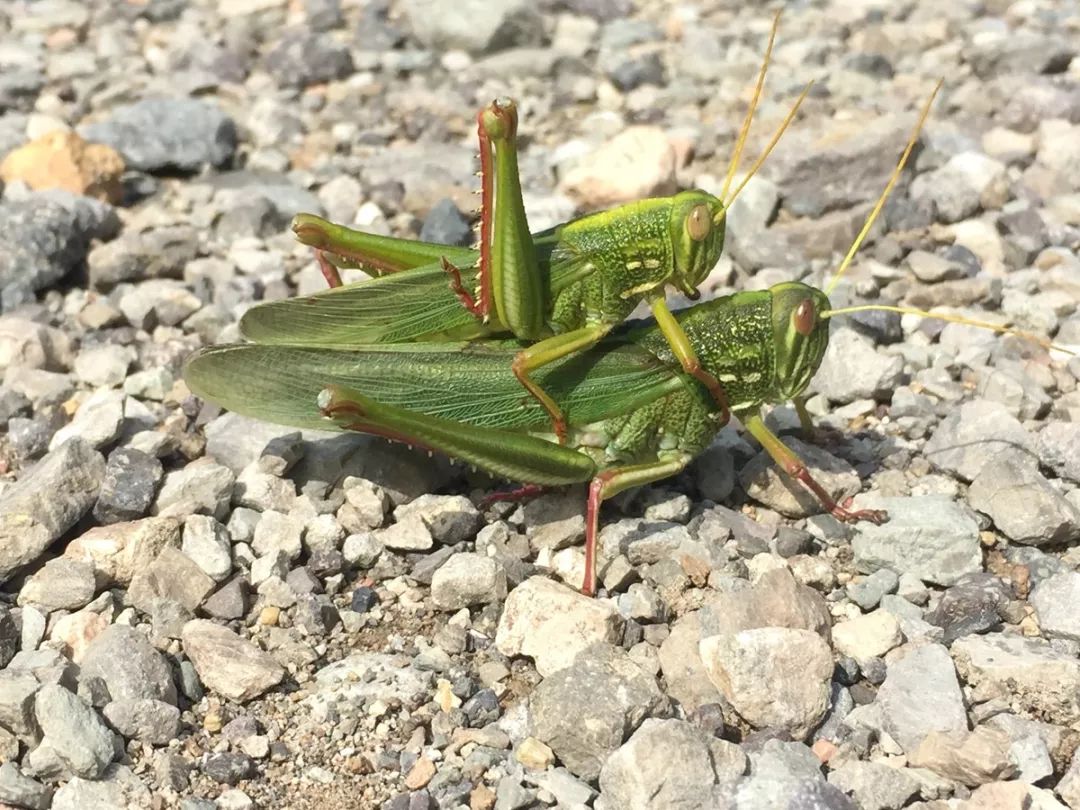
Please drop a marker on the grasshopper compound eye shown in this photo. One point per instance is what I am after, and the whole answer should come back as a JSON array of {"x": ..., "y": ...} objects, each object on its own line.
[
  {"x": 699, "y": 223},
  {"x": 804, "y": 318}
]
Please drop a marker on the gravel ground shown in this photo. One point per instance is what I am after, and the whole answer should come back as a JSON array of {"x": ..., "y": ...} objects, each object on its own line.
[{"x": 202, "y": 611}]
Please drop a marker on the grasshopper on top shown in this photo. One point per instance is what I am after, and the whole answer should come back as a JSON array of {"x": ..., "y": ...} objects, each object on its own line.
[{"x": 561, "y": 290}]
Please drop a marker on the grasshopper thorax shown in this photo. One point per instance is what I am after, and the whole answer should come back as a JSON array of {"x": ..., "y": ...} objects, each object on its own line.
[
  {"x": 801, "y": 335},
  {"x": 697, "y": 238}
]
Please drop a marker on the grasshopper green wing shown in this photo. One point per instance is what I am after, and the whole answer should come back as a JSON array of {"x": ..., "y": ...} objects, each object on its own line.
[
  {"x": 411, "y": 305},
  {"x": 472, "y": 384},
  {"x": 401, "y": 307}
]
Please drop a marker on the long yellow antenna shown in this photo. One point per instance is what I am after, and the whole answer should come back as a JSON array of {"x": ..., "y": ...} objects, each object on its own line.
[
  {"x": 745, "y": 130},
  {"x": 888, "y": 189},
  {"x": 1046, "y": 343},
  {"x": 765, "y": 154}
]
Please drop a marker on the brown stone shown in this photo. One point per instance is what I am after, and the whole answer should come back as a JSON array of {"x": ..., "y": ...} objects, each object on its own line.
[
  {"x": 64, "y": 160},
  {"x": 420, "y": 774},
  {"x": 971, "y": 758}
]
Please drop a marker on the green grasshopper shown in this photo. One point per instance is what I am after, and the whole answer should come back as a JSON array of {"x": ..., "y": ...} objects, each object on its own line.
[
  {"x": 561, "y": 291},
  {"x": 636, "y": 415}
]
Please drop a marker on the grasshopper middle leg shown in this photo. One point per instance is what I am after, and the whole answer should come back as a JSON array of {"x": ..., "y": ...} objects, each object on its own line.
[{"x": 794, "y": 466}]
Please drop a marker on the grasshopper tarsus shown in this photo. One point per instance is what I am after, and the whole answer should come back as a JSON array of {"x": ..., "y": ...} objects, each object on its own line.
[
  {"x": 875, "y": 516},
  {"x": 843, "y": 513}
]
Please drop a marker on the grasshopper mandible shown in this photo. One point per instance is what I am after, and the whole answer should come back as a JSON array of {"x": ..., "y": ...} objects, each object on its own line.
[
  {"x": 561, "y": 291},
  {"x": 636, "y": 415}
]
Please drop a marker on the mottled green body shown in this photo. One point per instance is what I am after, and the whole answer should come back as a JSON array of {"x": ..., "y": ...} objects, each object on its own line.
[
  {"x": 604, "y": 263},
  {"x": 596, "y": 269},
  {"x": 626, "y": 400}
]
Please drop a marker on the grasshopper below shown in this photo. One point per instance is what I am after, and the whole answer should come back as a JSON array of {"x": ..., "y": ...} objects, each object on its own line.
[
  {"x": 560, "y": 291},
  {"x": 635, "y": 415}
]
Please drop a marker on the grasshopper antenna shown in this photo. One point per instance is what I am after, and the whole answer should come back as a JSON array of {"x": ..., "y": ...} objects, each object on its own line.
[
  {"x": 888, "y": 190},
  {"x": 1045, "y": 342},
  {"x": 745, "y": 130},
  {"x": 950, "y": 318},
  {"x": 768, "y": 149}
]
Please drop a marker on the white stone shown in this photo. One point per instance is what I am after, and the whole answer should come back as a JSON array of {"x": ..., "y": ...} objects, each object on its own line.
[{"x": 552, "y": 623}]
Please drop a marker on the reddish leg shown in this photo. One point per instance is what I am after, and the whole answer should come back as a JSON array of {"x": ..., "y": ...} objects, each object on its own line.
[
  {"x": 329, "y": 272},
  {"x": 796, "y": 468},
  {"x": 487, "y": 201},
  {"x": 475, "y": 307},
  {"x": 718, "y": 394},
  {"x": 516, "y": 494},
  {"x": 612, "y": 482}
]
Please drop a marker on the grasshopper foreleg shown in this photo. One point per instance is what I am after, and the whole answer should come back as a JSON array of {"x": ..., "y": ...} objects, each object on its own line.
[
  {"x": 684, "y": 353},
  {"x": 329, "y": 271},
  {"x": 548, "y": 351},
  {"x": 795, "y": 467}
]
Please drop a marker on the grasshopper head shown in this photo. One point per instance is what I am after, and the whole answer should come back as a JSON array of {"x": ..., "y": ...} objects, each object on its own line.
[
  {"x": 697, "y": 236},
  {"x": 801, "y": 335}
]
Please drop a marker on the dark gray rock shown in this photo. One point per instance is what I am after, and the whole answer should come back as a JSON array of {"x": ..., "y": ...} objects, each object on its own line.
[
  {"x": 29, "y": 438},
  {"x": 972, "y": 605},
  {"x": 363, "y": 599},
  {"x": 303, "y": 57},
  {"x": 315, "y": 614},
  {"x": 168, "y": 134},
  {"x": 10, "y": 637},
  {"x": 131, "y": 479},
  {"x": 130, "y": 666},
  {"x": 446, "y": 225},
  {"x": 228, "y": 767},
  {"x": 41, "y": 241},
  {"x": 637, "y": 71}
]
